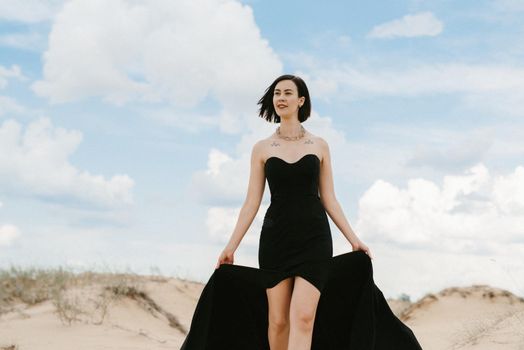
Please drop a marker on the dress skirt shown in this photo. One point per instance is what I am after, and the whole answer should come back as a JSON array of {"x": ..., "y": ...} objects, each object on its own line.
[{"x": 352, "y": 314}]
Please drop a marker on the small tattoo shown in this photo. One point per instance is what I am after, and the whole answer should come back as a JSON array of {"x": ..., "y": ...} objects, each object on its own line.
[
  {"x": 308, "y": 141},
  {"x": 274, "y": 143}
]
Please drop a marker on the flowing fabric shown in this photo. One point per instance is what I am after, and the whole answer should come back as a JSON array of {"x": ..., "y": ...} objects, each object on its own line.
[{"x": 352, "y": 314}]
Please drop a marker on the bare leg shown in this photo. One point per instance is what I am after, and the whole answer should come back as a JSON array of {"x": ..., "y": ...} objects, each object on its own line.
[
  {"x": 304, "y": 301},
  {"x": 279, "y": 298}
]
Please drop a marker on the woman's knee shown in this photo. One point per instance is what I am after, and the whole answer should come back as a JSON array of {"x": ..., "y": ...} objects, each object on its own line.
[
  {"x": 278, "y": 321},
  {"x": 279, "y": 298},
  {"x": 304, "y": 302},
  {"x": 303, "y": 317}
]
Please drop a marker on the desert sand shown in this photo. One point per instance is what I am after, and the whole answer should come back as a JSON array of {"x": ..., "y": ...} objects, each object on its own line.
[{"x": 59, "y": 310}]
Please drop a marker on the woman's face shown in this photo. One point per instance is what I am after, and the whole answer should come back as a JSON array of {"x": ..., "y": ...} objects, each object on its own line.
[{"x": 285, "y": 98}]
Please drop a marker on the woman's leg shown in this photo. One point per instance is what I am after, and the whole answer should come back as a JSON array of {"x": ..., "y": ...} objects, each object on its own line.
[
  {"x": 279, "y": 298},
  {"x": 304, "y": 301}
]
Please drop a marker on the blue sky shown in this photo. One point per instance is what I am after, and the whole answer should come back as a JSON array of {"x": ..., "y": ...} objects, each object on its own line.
[{"x": 126, "y": 130}]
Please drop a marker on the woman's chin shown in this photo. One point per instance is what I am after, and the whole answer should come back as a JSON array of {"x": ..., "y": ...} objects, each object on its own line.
[{"x": 284, "y": 116}]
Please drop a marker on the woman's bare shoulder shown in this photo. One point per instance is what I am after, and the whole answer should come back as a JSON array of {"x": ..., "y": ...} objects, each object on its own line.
[
  {"x": 320, "y": 145},
  {"x": 265, "y": 142},
  {"x": 317, "y": 139},
  {"x": 261, "y": 146},
  {"x": 321, "y": 141}
]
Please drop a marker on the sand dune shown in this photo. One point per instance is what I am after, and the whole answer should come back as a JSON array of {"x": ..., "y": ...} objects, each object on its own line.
[
  {"x": 115, "y": 311},
  {"x": 476, "y": 317}
]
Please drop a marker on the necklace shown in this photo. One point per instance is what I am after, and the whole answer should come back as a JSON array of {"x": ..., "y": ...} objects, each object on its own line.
[{"x": 294, "y": 138}]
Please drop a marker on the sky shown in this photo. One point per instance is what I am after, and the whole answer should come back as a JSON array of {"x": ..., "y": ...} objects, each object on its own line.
[{"x": 126, "y": 129}]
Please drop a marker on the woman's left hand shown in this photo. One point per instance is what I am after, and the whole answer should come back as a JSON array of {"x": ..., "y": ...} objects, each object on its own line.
[{"x": 359, "y": 245}]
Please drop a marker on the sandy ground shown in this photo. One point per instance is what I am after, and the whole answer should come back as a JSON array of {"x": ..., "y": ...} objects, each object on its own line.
[
  {"x": 477, "y": 317},
  {"x": 157, "y": 314}
]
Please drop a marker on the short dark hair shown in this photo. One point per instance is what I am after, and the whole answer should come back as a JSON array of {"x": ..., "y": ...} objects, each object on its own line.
[{"x": 267, "y": 110}]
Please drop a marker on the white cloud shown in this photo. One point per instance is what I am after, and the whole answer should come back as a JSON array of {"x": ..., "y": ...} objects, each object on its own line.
[
  {"x": 35, "y": 161},
  {"x": 7, "y": 73},
  {"x": 8, "y": 234},
  {"x": 221, "y": 222},
  {"x": 420, "y": 24},
  {"x": 437, "y": 78},
  {"x": 183, "y": 52},
  {"x": 222, "y": 182},
  {"x": 508, "y": 193},
  {"x": 29, "y": 11},
  {"x": 9, "y": 105},
  {"x": 474, "y": 213}
]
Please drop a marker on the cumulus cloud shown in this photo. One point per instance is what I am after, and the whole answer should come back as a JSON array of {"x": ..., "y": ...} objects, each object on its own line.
[
  {"x": 223, "y": 181},
  {"x": 29, "y": 11},
  {"x": 35, "y": 161},
  {"x": 420, "y": 24},
  {"x": 9, "y": 105},
  {"x": 476, "y": 213},
  {"x": 183, "y": 52},
  {"x": 221, "y": 222}
]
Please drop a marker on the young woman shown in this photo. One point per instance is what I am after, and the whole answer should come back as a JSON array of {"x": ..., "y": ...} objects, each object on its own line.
[
  {"x": 295, "y": 230},
  {"x": 279, "y": 305}
]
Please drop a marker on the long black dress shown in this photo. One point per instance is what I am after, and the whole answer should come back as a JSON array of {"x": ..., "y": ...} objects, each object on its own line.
[{"x": 295, "y": 240}]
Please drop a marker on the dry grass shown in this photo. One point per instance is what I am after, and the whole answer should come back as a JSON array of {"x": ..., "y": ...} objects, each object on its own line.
[
  {"x": 30, "y": 286},
  {"x": 66, "y": 290}
]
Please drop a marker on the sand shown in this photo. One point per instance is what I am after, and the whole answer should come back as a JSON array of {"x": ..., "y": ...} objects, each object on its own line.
[{"x": 152, "y": 312}]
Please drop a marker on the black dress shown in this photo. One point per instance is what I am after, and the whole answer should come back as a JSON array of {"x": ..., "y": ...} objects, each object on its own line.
[
  {"x": 295, "y": 237},
  {"x": 295, "y": 240}
]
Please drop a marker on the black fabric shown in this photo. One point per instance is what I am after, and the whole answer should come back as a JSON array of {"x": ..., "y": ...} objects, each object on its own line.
[
  {"x": 295, "y": 240},
  {"x": 352, "y": 313},
  {"x": 295, "y": 236}
]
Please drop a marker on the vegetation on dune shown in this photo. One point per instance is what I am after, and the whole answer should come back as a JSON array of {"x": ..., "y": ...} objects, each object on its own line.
[{"x": 63, "y": 288}]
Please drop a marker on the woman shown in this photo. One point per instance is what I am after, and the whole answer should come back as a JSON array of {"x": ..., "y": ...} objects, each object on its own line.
[
  {"x": 293, "y": 301},
  {"x": 302, "y": 297}
]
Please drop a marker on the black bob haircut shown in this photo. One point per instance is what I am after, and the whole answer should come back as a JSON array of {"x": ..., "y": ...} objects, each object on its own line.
[{"x": 267, "y": 110}]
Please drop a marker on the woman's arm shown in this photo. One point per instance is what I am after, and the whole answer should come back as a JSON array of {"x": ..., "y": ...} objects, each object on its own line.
[
  {"x": 255, "y": 191},
  {"x": 328, "y": 198}
]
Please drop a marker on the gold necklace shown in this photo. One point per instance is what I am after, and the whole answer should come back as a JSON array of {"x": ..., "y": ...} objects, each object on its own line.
[{"x": 294, "y": 138}]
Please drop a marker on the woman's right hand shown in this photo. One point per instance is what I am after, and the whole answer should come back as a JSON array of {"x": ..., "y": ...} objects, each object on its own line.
[{"x": 226, "y": 257}]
